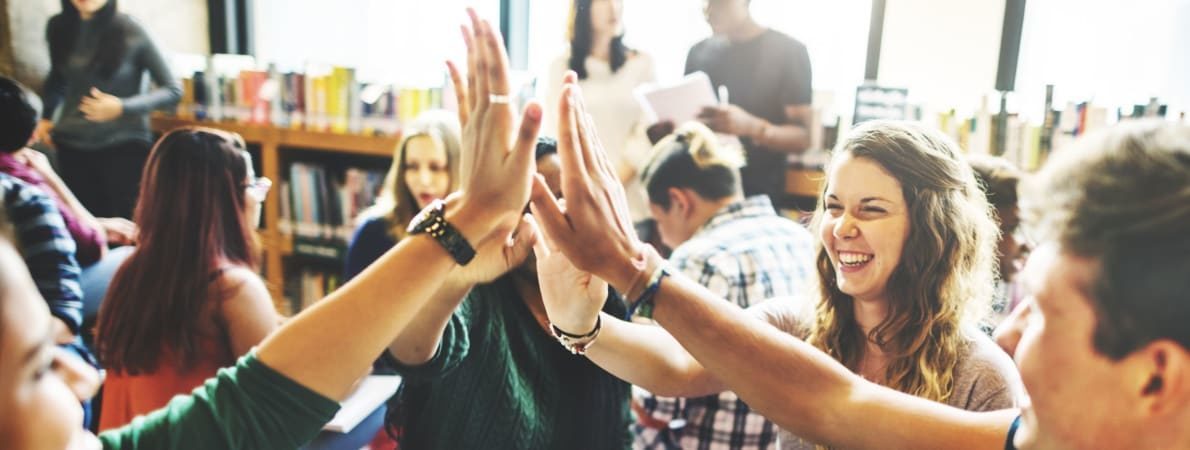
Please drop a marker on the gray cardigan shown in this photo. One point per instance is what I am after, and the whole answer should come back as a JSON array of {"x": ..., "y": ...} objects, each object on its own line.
[{"x": 72, "y": 79}]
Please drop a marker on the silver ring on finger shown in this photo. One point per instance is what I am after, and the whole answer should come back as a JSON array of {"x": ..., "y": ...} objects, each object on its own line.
[{"x": 498, "y": 99}]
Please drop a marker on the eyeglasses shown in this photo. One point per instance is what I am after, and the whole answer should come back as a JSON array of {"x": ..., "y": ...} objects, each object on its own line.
[{"x": 259, "y": 188}]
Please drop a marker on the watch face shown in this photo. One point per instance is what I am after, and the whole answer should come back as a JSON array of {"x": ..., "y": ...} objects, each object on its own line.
[{"x": 425, "y": 217}]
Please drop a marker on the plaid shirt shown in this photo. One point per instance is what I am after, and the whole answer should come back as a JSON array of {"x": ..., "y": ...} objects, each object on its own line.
[
  {"x": 746, "y": 254},
  {"x": 47, "y": 248}
]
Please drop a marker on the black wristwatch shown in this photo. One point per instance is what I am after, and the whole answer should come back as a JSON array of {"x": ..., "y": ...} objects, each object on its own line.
[{"x": 432, "y": 221}]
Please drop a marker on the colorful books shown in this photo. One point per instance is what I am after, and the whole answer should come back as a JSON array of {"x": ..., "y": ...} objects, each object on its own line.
[{"x": 322, "y": 98}]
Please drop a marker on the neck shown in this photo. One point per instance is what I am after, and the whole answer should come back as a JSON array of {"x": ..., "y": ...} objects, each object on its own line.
[
  {"x": 707, "y": 209},
  {"x": 530, "y": 292},
  {"x": 868, "y": 315},
  {"x": 747, "y": 30},
  {"x": 601, "y": 46}
]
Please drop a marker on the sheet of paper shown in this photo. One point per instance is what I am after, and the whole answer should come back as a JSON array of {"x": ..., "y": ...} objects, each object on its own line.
[
  {"x": 678, "y": 102},
  {"x": 371, "y": 393}
]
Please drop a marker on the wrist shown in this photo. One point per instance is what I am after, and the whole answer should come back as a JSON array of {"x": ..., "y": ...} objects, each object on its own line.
[
  {"x": 760, "y": 130},
  {"x": 467, "y": 220},
  {"x": 643, "y": 266},
  {"x": 577, "y": 325}
]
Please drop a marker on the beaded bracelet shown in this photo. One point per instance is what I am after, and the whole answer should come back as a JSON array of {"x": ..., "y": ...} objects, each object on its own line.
[{"x": 577, "y": 344}]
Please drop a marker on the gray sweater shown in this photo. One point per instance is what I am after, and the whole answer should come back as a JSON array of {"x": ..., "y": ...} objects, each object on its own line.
[{"x": 72, "y": 79}]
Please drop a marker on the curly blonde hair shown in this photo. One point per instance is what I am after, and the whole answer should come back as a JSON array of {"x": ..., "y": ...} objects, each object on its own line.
[{"x": 942, "y": 286}]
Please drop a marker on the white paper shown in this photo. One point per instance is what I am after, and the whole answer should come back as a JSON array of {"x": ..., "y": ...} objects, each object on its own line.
[
  {"x": 679, "y": 102},
  {"x": 371, "y": 393}
]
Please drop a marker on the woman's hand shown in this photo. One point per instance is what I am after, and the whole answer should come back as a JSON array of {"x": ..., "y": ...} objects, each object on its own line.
[
  {"x": 572, "y": 298},
  {"x": 497, "y": 163},
  {"x": 42, "y": 133},
  {"x": 101, "y": 107},
  {"x": 119, "y": 231},
  {"x": 593, "y": 230}
]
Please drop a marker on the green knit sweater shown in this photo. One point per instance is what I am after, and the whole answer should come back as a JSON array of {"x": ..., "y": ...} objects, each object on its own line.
[{"x": 499, "y": 381}]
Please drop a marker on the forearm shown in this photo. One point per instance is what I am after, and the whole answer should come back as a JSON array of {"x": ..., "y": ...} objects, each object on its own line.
[
  {"x": 168, "y": 90},
  {"x": 72, "y": 203},
  {"x": 52, "y": 94},
  {"x": 158, "y": 98},
  {"x": 313, "y": 348},
  {"x": 647, "y": 356},
  {"x": 787, "y": 138},
  {"x": 804, "y": 390},
  {"x": 418, "y": 343}
]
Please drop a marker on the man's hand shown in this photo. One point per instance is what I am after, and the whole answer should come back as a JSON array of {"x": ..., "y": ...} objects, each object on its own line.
[
  {"x": 731, "y": 119},
  {"x": 496, "y": 257},
  {"x": 592, "y": 229}
]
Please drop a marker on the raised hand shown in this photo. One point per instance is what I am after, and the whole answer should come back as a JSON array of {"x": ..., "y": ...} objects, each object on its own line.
[
  {"x": 593, "y": 230},
  {"x": 572, "y": 298},
  {"x": 495, "y": 257},
  {"x": 496, "y": 164}
]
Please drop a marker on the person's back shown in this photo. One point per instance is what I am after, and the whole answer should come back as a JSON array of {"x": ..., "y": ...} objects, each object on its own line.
[
  {"x": 738, "y": 248},
  {"x": 127, "y": 395},
  {"x": 500, "y": 381},
  {"x": 187, "y": 302}
]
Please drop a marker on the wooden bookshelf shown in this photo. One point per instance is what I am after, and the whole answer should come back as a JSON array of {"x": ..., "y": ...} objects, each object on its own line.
[
  {"x": 804, "y": 182},
  {"x": 273, "y": 141}
]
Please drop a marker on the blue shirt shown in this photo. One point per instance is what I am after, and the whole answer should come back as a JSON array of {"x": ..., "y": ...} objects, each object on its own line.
[
  {"x": 47, "y": 247},
  {"x": 370, "y": 241}
]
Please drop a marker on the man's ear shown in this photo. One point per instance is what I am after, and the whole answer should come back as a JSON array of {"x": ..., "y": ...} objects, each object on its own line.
[{"x": 1163, "y": 376}]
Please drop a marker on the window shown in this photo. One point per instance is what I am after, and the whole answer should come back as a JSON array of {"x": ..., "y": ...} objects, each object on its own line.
[
  {"x": 401, "y": 41},
  {"x": 836, "y": 34},
  {"x": 1112, "y": 54}
]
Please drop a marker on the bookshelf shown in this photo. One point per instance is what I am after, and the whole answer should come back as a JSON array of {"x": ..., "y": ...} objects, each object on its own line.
[{"x": 275, "y": 144}]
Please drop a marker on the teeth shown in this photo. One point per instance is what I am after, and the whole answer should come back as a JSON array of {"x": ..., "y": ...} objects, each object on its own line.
[{"x": 854, "y": 258}]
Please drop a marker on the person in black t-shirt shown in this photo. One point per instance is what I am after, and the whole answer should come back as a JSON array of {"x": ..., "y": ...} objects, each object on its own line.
[{"x": 767, "y": 77}]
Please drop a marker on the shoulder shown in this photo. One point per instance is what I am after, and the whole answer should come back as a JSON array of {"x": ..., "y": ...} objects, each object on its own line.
[
  {"x": 985, "y": 378},
  {"x": 791, "y": 315},
  {"x": 372, "y": 230},
  {"x": 238, "y": 281},
  {"x": 639, "y": 56},
  {"x": 55, "y": 24},
  {"x": 129, "y": 24},
  {"x": 779, "y": 39},
  {"x": 241, "y": 291},
  {"x": 699, "y": 251},
  {"x": 23, "y": 199}
]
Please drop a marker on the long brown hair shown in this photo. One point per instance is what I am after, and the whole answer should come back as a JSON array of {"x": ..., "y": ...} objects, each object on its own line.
[
  {"x": 396, "y": 204},
  {"x": 191, "y": 219},
  {"x": 941, "y": 287}
]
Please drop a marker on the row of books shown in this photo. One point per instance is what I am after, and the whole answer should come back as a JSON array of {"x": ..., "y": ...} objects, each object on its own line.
[
  {"x": 322, "y": 98},
  {"x": 319, "y": 206},
  {"x": 307, "y": 286},
  {"x": 1028, "y": 143}
]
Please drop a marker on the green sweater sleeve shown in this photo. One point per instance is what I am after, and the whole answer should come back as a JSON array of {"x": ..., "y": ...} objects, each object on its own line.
[{"x": 248, "y": 406}]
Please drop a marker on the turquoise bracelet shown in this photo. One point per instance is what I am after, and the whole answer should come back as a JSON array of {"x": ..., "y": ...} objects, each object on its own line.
[{"x": 643, "y": 306}]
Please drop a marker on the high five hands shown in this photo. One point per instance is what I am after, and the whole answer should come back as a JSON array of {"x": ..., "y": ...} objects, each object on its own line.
[
  {"x": 496, "y": 164},
  {"x": 592, "y": 229}
]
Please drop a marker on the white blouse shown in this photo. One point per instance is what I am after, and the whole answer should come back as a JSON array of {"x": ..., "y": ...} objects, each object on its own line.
[{"x": 619, "y": 118}]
